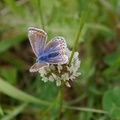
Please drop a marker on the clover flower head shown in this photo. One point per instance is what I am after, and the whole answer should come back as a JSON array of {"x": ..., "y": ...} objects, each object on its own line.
[{"x": 62, "y": 72}]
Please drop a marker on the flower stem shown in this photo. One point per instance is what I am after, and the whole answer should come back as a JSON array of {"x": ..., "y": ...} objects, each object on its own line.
[
  {"x": 61, "y": 100},
  {"x": 82, "y": 23},
  {"x": 86, "y": 109},
  {"x": 41, "y": 15}
]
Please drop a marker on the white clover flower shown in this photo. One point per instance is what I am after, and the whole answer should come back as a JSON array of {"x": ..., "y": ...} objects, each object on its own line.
[
  {"x": 54, "y": 76},
  {"x": 67, "y": 84},
  {"x": 58, "y": 82},
  {"x": 59, "y": 68},
  {"x": 52, "y": 67},
  {"x": 45, "y": 79},
  {"x": 59, "y": 73},
  {"x": 65, "y": 76},
  {"x": 51, "y": 78},
  {"x": 42, "y": 71}
]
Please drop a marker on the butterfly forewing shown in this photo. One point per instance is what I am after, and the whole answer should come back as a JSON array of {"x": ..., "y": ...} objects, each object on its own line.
[
  {"x": 37, "y": 39},
  {"x": 56, "y": 51},
  {"x": 57, "y": 44}
]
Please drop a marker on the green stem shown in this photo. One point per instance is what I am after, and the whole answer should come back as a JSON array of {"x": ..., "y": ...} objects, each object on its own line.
[
  {"x": 76, "y": 40},
  {"x": 86, "y": 109},
  {"x": 41, "y": 15},
  {"x": 61, "y": 100},
  {"x": 82, "y": 23}
]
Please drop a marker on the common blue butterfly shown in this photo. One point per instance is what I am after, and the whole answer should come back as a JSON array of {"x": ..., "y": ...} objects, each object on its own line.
[{"x": 52, "y": 53}]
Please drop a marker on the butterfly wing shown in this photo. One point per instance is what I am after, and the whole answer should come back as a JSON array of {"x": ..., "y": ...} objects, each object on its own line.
[
  {"x": 56, "y": 44},
  {"x": 55, "y": 50},
  {"x": 37, "y": 39},
  {"x": 59, "y": 59},
  {"x": 37, "y": 66}
]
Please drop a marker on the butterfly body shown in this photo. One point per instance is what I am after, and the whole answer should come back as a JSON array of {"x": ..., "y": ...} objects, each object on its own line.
[{"x": 52, "y": 53}]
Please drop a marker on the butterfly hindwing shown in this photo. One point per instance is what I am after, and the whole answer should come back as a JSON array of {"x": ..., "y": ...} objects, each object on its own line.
[
  {"x": 37, "y": 66},
  {"x": 59, "y": 59}
]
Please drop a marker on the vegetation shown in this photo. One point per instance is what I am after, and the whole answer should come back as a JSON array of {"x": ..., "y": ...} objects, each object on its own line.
[{"x": 90, "y": 27}]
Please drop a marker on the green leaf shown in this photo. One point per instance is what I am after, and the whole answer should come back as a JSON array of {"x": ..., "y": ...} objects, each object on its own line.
[
  {"x": 110, "y": 100},
  {"x": 1, "y": 111},
  {"x": 115, "y": 113},
  {"x": 4, "y": 45},
  {"x": 117, "y": 90},
  {"x": 15, "y": 112},
  {"x": 111, "y": 103},
  {"x": 111, "y": 58},
  {"x": 48, "y": 89},
  {"x": 11, "y": 91}
]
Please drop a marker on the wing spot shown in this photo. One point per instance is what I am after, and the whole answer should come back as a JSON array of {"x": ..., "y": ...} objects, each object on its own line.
[
  {"x": 62, "y": 57},
  {"x": 40, "y": 33}
]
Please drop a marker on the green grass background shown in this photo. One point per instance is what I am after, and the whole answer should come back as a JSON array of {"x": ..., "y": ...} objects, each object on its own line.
[{"x": 95, "y": 95}]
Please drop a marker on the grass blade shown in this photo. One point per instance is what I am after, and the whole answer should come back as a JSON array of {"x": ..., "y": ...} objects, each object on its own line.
[
  {"x": 1, "y": 111},
  {"x": 11, "y": 91}
]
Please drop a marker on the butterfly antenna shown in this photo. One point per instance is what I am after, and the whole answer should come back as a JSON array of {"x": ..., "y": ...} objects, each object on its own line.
[{"x": 32, "y": 57}]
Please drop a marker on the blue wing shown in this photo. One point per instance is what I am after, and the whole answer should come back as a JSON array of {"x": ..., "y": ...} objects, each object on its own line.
[
  {"x": 59, "y": 59},
  {"x": 55, "y": 50},
  {"x": 37, "y": 39},
  {"x": 57, "y": 44}
]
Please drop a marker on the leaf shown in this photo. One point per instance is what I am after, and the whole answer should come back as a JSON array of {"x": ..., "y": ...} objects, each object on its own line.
[
  {"x": 110, "y": 100},
  {"x": 113, "y": 61},
  {"x": 111, "y": 58},
  {"x": 48, "y": 89},
  {"x": 117, "y": 90},
  {"x": 15, "y": 112},
  {"x": 1, "y": 111},
  {"x": 18, "y": 94},
  {"x": 115, "y": 114},
  {"x": 111, "y": 103},
  {"x": 4, "y": 45}
]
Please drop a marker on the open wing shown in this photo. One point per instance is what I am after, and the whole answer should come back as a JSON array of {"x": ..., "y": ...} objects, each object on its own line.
[
  {"x": 57, "y": 44},
  {"x": 37, "y": 39},
  {"x": 55, "y": 50},
  {"x": 59, "y": 59}
]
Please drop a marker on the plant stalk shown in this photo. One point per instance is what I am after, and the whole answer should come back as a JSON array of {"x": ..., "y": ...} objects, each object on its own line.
[
  {"x": 61, "y": 100},
  {"x": 82, "y": 23},
  {"x": 40, "y": 14}
]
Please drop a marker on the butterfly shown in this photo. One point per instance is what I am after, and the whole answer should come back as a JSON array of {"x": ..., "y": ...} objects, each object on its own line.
[{"x": 51, "y": 53}]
